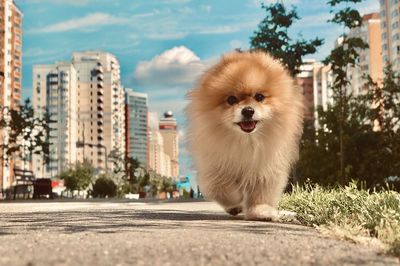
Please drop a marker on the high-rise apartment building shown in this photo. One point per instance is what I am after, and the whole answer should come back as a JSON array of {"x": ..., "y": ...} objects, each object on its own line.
[
  {"x": 169, "y": 132},
  {"x": 322, "y": 86},
  {"x": 10, "y": 73},
  {"x": 370, "y": 59},
  {"x": 315, "y": 81},
  {"x": 159, "y": 162},
  {"x": 323, "y": 81},
  {"x": 137, "y": 127},
  {"x": 88, "y": 103},
  {"x": 390, "y": 32},
  {"x": 101, "y": 107},
  {"x": 305, "y": 81},
  {"x": 54, "y": 89}
]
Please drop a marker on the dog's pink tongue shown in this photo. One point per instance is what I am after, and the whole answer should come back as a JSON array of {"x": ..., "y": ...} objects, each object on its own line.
[{"x": 247, "y": 126}]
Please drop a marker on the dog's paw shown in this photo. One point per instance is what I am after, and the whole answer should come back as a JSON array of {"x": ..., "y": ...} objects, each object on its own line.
[
  {"x": 268, "y": 213},
  {"x": 262, "y": 212},
  {"x": 234, "y": 211}
]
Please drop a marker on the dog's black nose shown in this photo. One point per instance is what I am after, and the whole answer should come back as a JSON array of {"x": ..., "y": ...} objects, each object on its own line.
[{"x": 248, "y": 112}]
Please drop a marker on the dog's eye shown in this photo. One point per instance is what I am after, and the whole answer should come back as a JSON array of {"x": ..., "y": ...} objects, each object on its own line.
[
  {"x": 232, "y": 100},
  {"x": 259, "y": 97}
]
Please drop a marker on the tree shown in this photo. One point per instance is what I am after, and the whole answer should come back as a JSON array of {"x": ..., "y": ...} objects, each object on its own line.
[
  {"x": 79, "y": 176},
  {"x": 331, "y": 156},
  {"x": 343, "y": 56},
  {"x": 26, "y": 133},
  {"x": 104, "y": 187},
  {"x": 381, "y": 114},
  {"x": 272, "y": 37}
]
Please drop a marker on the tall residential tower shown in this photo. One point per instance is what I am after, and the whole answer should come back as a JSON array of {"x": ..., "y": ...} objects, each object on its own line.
[
  {"x": 370, "y": 60},
  {"x": 54, "y": 89},
  {"x": 169, "y": 132},
  {"x": 137, "y": 145},
  {"x": 390, "y": 28},
  {"x": 10, "y": 74},
  {"x": 86, "y": 99}
]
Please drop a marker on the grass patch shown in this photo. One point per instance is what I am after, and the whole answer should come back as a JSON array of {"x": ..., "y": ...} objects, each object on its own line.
[{"x": 349, "y": 213}]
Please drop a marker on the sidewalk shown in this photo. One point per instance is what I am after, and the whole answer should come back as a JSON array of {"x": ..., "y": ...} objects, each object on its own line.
[{"x": 171, "y": 233}]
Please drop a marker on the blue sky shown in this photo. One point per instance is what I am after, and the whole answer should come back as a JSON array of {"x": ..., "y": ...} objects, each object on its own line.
[{"x": 162, "y": 45}]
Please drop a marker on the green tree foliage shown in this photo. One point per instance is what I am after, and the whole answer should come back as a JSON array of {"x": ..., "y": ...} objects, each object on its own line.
[
  {"x": 161, "y": 184},
  {"x": 79, "y": 176},
  {"x": 27, "y": 134},
  {"x": 104, "y": 187},
  {"x": 272, "y": 37},
  {"x": 342, "y": 57},
  {"x": 337, "y": 150},
  {"x": 372, "y": 139},
  {"x": 381, "y": 139}
]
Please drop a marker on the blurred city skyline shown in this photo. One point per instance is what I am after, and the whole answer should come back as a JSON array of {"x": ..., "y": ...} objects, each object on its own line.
[{"x": 162, "y": 46}]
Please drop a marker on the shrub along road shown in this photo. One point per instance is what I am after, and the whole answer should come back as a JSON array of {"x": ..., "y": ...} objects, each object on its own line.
[{"x": 169, "y": 233}]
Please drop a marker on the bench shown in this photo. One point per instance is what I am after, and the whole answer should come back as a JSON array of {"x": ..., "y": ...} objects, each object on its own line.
[{"x": 24, "y": 182}]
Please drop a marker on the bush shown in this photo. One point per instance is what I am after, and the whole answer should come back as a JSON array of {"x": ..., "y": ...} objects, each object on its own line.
[{"x": 104, "y": 187}]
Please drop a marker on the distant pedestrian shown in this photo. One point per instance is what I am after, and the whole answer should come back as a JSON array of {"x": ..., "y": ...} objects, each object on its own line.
[{"x": 191, "y": 193}]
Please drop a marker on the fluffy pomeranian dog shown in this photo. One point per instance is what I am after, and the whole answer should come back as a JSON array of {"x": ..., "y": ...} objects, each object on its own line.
[{"x": 245, "y": 119}]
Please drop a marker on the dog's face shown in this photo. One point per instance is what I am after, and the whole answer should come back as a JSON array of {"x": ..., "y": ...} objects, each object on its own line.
[
  {"x": 245, "y": 93},
  {"x": 247, "y": 107}
]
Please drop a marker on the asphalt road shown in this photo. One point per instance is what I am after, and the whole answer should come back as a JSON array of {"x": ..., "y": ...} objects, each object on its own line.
[{"x": 191, "y": 233}]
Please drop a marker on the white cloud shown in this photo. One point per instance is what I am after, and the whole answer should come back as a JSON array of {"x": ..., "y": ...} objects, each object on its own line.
[
  {"x": 175, "y": 1},
  {"x": 176, "y": 66},
  {"x": 38, "y": 55},
  {"x": 166, "y": 36},
  {"x": 89, "y": 22},
  {"x": 220, "y": 30},
  {"x": 186, "y": 10},
  {"x": 206, "y": 8},
  {"x": 176, "y": 106},
  {"x": 72, "y": 2},
  {"x": 58, "y": 2}
]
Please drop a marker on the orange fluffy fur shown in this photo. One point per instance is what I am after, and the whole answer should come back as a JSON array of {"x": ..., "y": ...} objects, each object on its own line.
[{"x": 240, "y": 170}]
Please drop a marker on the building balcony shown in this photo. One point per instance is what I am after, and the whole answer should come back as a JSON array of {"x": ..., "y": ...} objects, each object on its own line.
[
  {"x": 100, "y": 84},
  {"x": 100, "y": 130},
  {"x": 100, "y": 107},
  {"x": 100, "y": 100},
  {"x": 100, "y": 114},
  {"x": 100, "y": 92},
  {"x": 100, "y": 77},
  {"x": 100, "y": 123},
  {"x": 99, "y": 69},
  {"x": 100, "y": 139}
]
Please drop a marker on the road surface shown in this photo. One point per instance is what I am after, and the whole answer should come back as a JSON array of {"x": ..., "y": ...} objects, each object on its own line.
[{"x": 170, "y": 233}]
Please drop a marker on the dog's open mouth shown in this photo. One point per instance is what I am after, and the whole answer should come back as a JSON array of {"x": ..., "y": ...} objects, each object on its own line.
[{"x": 248, "y": 125}]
